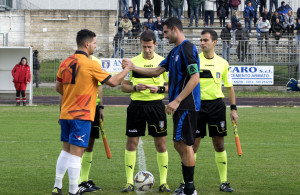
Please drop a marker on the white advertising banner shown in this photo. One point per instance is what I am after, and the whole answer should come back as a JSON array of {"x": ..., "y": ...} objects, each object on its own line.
[
  {"x": 112, "y": 65},
  {"x": 240, "y": 75},
  {"x": 252, "y": 75}
]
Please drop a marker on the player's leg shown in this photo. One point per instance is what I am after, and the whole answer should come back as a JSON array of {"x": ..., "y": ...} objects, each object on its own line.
[
  {"x": 217, "y": 130},
  {"x": 157, "y": 127},
  {"x": 63, "y": 159},
  {"x": 87, "y": 158},
  {"x": 78, "y": 139},
  {"x": 135, "y": 127},
  {"x": 61, "y": 168},
  {"x": 18, "y": 93},
  {"x": 185, "y": 125}
]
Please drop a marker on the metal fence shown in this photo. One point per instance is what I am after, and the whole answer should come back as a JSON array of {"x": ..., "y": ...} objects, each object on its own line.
[{"x": 281, "y": 54}]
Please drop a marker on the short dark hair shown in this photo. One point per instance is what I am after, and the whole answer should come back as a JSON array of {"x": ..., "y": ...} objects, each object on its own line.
[
  {"x": 172, "y": 22},
  {"x": 84, "y": 35},
  {"x": 213, "y": 34},
  {"x": 22, "y": 59},
  {"x": 238, "y": 25},
  {"x": 148, "y": 35}
]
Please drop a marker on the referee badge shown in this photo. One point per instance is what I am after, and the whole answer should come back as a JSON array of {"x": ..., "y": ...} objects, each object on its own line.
[
  {"x": 161, "y": 124},
  {"x": 218, "y": 75},
  {"x": 222, "y": 124}
]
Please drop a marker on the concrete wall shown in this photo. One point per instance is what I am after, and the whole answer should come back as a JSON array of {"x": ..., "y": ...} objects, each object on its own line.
[{"x": 53, "y": 32}]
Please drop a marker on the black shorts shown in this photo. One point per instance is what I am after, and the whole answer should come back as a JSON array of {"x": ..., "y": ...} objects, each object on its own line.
[
  {"x": 151, "y": 112},
  {"x": 185, "y": 126},
  {"x": 213, "y": 113},
  {"x": 96, "y": 124}
]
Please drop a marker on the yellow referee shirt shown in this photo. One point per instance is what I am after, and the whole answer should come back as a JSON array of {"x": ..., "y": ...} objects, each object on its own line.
[
  {"x": 212, "y": 73},
  {"x": 135, "y": 78}
]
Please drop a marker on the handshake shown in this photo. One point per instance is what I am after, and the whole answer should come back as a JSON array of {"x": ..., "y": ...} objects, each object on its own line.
[
  {"x": 127, "y": 64},
  {"x": 293, "y": 85}
]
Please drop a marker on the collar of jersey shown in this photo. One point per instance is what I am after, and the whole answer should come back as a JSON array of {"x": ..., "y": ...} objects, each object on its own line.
[{"x": 81, "y": 52}]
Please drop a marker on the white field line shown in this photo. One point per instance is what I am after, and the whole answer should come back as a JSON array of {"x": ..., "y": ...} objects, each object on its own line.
[{"x": 141, "y": 156}]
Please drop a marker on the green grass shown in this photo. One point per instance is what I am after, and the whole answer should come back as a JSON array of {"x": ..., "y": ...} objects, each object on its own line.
[
  {"x": 49, "y": 70},
  {"x": 270, "y": 164},
  {"x": 50, "y": 91}
]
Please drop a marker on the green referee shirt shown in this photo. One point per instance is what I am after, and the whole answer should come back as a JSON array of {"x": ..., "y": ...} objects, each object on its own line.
[
  {"x": 212, "y": 73},
  {"x": 135, "y": 78}
]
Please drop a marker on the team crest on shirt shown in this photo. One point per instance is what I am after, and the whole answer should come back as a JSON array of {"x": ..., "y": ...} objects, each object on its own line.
[
  {"x": 105, "y": 64},
  {"x": 161, "y": 124},
  {"x": 218, "y": 75},
  {"x": 176, "y": 58}
]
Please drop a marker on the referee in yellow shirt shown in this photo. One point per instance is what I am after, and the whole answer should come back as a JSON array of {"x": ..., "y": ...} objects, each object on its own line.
[
  {"x": 146, "y": 107},
  {"x": 213, "y": 70}
]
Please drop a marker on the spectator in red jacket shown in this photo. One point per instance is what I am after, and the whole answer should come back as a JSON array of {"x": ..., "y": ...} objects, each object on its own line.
[{"x": 22, "y": 76}]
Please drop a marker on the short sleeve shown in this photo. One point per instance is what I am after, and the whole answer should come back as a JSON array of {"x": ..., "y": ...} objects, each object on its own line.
[
  {"x": 190, "y": 53},
  {"x": 164, "y": 64},
  {"x": 166, "y": 78},
  {"x": 227, "y": 80},
  {"x": 59, "y": 76},
  {"x": 99, "y": 74}
]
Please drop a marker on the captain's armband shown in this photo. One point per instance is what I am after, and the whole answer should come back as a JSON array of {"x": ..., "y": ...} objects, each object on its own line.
[{"x": 192, "y": 69}]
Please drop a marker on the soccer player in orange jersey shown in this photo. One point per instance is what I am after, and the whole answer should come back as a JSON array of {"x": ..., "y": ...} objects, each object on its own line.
[{"x": 77, "y": 82}]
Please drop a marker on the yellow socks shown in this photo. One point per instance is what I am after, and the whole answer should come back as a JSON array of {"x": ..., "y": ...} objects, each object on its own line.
[
  {"x": 86, "y": 163},
  {"x": 221, "y": 160},
  {"x": 130, "y": 158},
  {"x": 162, "y": 162}
]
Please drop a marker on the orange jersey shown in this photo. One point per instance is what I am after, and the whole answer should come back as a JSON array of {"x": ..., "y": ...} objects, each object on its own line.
[{"x": 79, "y": 76}]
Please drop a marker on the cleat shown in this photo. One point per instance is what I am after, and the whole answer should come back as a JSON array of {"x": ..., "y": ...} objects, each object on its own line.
[
  {"x": 18, "y": 104},
  {"x": 57, "y": 191},
  {"x": 92, "y": 184},
  {"x": 164, "y": 188},
  {"x": 180, "y": 188},
  {"x": 85, "y": 187},
  {"x": 225, "y": 187},
  {"x": 24, "y": 103},
  {"x": 128, "y": 188},
  {"x": 182, "y": 193},
  {"x": 78, "y": 193}
]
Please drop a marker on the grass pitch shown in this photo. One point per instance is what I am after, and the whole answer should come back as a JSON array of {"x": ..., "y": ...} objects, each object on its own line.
[{"x": 269, "y": 136}]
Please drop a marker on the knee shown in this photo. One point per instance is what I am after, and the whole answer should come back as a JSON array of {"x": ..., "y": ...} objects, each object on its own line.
[
  {"x": 161, "y": 147},
  {"x": 219, "y": 147},
  {"x": 131, "y": 145}
]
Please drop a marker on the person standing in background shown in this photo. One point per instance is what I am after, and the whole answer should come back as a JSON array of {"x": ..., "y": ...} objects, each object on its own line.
[
  {"x": 157, "y": 7},
  {"x": 22, "y": 76},
  {"x": 36, "y": 68},
  {"x": 136, "y": 6}
]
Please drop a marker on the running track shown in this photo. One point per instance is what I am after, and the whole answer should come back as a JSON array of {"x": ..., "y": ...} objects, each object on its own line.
[{"x": 124, "y": 101}]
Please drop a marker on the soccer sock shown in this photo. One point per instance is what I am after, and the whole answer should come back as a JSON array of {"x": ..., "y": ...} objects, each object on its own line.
[
  {"x": 162, "y": 161},
  {"x": 61, "y": 168},
  {"x": 188, "y": 176},
  {"x": 221, "y": 160},
  {"x": 18, "y": 99},
  {"x": 130, "y": 158},
  {"x": 86, "y": 163},
  {"x": 24, "y": 99},
  {"x": 74, "y": 173},
  {"x": 195, "y": 155}
]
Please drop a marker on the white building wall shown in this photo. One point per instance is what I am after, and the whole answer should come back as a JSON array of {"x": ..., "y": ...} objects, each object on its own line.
[{"x": 12, "y": 24}]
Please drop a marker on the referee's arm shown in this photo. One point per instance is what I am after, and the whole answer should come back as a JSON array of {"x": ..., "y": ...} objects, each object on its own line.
[{"x": 231, "y": 97}]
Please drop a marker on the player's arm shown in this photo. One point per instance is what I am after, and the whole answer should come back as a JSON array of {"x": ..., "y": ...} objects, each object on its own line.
[
  {"x": 151, "y": 72},
  {"x": 192, "y": 83},
  {"x": 59, "y": 87},
  {"x": 232, "y": 100},
  {"x": 100, "y": 95},
  {"x": 117, "y": 79}
]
